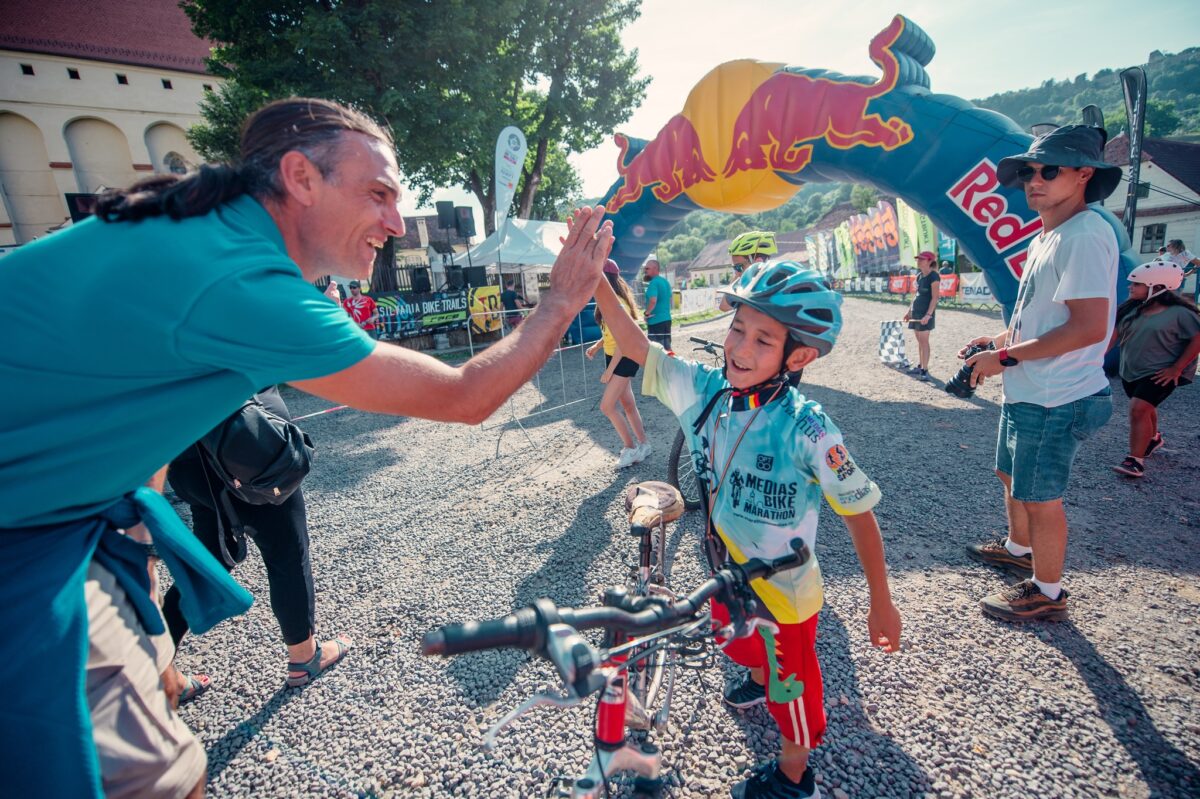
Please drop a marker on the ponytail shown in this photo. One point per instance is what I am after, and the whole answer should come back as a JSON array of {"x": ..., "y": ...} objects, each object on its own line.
[{"x": 172, "y": 195}]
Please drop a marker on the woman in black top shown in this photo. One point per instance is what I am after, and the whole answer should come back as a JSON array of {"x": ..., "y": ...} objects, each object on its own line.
[{"x": 920, "y": 316}]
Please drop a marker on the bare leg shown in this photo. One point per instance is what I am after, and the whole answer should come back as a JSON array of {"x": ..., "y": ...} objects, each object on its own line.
[
  {"x": 793, "y": 760},
  {"x": 631, "y": 412},
  {"x": 922, "y": 347},
  {"x": 1018, "y": 516},
  {"x": 608, "y": 406},
  {"x": 1048, "y": 527},
  {"x": 198, "y": 791},
  {"x": 1143, "y": 424}
]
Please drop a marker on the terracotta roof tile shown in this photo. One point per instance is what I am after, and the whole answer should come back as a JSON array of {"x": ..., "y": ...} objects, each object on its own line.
[{"x": 149, "y": 33}]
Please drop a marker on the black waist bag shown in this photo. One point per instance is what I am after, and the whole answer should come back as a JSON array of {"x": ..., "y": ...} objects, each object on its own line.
[{"x": 260, "y": 457}]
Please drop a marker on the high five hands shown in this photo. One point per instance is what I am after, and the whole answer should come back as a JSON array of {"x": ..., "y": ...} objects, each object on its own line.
[{"x": 579, "y": 264}]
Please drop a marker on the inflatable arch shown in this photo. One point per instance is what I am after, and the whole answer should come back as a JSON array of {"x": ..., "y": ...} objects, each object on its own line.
[{"x": 751, "y": 134}]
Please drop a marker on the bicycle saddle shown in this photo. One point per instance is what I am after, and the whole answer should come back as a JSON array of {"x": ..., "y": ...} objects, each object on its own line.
[{"x": 644, "y": 503}]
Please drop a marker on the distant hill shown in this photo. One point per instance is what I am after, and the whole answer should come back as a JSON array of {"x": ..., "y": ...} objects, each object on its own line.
[{"x": 1170, "y": 78}]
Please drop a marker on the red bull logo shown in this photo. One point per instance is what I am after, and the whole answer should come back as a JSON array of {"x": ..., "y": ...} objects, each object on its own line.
[
  {"x": 788, "y": 110},
  {"x": 671, "y": 163},
  {"x": 976, "y": 195}
]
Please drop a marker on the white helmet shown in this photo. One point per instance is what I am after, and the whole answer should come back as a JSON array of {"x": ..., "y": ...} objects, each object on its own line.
[{"x": 1167, "y": 274}]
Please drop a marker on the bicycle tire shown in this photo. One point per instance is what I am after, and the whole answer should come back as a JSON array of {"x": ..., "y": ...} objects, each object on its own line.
[{"x": 682, "y": 474}]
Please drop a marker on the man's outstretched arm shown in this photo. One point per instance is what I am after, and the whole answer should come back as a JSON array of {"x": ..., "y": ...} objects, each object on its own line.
[{"x": 402, "y": 382}]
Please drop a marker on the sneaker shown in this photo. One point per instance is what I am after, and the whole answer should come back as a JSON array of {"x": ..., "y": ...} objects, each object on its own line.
[
  {"x": 924, "y": 376},
  {"x": 746, "y": 694},
  {"x": 994, "y": 553},
  {"x": 641, "y": 452},
  {"x": 1025, "y": 602},
  {"x": 628, "y": 457},
  {"x": 1130, "y": 467},
  {"x": 768, "y": 782},
  {"x": 1155, "y": 444},
  {"x": 914, "y": 369}
]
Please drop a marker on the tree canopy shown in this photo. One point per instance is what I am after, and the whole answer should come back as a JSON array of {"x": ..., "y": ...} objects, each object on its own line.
[{"x": 445, "y": 77}]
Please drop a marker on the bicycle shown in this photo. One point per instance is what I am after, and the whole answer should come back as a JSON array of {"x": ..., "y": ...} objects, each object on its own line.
[
  {"x": 680, "y": 625},
  {"x": 681, "y": 471}
]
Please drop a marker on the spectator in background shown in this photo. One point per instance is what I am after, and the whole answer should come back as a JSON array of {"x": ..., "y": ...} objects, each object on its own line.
[
  {"x": 920, "y": 315},
  {"x": 1159, "y": 334},
  {"x": 362, "y": 309},
  {"x": 513, "y": 302},
  {"x": 947, "y": 268},
  {"x": 1176, "y": 253},
  {"x": 658, "y": 305},
  {"x": 751, "y": 247},
  {"x": 619, "y": 391}
]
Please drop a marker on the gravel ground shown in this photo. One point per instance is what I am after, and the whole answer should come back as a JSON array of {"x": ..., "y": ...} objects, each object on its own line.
[{"x": 417, "y": 524}]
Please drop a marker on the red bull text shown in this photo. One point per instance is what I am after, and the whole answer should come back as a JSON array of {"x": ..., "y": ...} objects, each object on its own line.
[{"x": 975, "y": 194}]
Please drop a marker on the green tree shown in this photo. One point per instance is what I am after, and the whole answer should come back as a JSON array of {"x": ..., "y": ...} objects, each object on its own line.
[
  {"x": 734, "y": 227},
  {"x": 445, "y": 77},
  {"x": 863, "y": 197},
  {"x": 1161, "y": 120}
]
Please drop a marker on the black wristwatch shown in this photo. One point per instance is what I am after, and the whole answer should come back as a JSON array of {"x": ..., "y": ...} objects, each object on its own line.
[{"x": 1005, "y": 358}]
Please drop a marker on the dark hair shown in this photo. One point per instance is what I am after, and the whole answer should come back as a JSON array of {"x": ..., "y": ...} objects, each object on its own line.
[
  {"x": 309, "y": 125},
  {"x": 1131, "y": 309},
  {"x": 623, "y": 292},
  {"x": 1177, "y": 244}
]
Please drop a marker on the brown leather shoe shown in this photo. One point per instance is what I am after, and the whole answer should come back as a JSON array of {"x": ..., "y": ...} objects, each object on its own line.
[{"x": 1025, "y": 602}]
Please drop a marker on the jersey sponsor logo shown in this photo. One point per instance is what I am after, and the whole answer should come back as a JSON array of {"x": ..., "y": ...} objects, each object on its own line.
[
  {"x": 838, "y": 459},
  {"x": 764, "y": 462},
  {"x": 850, "y": 497},
  {"x": 759, "y": 498},
  {"x": 811, "y": 427}
]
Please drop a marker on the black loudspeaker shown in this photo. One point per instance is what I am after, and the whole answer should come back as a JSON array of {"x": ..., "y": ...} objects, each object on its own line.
[
  {"x": 420, "y": 281},
  {"x": 475, "y": 276},
  {"x": 445, "y": 211},
  {"x": 464, "y": 221},
  {"x": 454, "y": 278}
]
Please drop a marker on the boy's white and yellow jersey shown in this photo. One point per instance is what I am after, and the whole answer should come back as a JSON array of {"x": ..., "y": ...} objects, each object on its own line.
[{"x": 771, "y": 485}]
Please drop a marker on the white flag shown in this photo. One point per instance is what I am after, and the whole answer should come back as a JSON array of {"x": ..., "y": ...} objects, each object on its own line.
[{"x": 510, "y": 159}]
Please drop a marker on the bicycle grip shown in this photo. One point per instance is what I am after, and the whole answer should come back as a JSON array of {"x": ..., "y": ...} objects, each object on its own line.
[{"x": 516, "y": 630}]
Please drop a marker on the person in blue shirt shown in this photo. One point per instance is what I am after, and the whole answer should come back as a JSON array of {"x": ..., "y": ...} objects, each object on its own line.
[
  {"x": 767, "y": 458},
  {"x": 658, "y": 304},
  {"x": 208, "y": 297}
]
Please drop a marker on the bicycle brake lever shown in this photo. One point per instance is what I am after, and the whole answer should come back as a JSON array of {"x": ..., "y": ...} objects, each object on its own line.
[{"x": 537, "y": 700}]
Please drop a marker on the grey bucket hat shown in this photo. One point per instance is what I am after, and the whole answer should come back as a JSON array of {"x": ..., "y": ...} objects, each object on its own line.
[{"x": 1071, "y": 146}]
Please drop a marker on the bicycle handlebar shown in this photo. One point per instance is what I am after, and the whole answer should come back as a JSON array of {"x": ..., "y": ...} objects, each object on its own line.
[
  {"x": 705, "y": 343},
  {"x": 526, "y": 628}
]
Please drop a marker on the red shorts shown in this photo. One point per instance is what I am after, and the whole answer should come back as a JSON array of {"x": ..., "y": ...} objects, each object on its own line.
[{"x": 795, "y": 696}]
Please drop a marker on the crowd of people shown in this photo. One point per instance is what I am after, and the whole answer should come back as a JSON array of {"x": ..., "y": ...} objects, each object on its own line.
[{"x": 225, "y": 259}]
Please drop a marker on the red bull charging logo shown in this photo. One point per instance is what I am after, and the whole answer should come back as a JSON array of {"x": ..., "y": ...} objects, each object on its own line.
[{"x": 770, "y": 130}]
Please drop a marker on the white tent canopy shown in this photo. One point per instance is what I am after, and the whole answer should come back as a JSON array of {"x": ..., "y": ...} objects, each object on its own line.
[{"x": 521, "y": 242}]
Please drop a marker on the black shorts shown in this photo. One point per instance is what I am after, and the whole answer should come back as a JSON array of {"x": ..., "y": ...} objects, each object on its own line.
[
  {"x": 916, "y": 324},
  {"x": 626, "y": 368},
  {"x": 1145, "y": 389}
]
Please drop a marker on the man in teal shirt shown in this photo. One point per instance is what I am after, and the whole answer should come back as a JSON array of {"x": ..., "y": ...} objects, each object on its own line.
[
  {"x": 658, "y": 305},
  {"x": 186, "y": 296}
]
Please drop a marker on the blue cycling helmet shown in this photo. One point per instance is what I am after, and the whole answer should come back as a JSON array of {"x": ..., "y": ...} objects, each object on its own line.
[{"x": 797, "y": 297}]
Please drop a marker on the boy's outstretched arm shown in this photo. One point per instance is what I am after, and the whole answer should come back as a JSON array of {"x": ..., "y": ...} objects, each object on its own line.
[
  {"x": 883, "y": 620},
  {"x": 631, "y": 339}
]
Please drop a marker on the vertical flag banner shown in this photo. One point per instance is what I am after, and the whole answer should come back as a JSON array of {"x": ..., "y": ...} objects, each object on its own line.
[
  {"x": 1133, "y": 83},
  {"x": 946, "y": 248},
  {"x": 906, "y": 222},
  {"x": 510, "y": 159}
]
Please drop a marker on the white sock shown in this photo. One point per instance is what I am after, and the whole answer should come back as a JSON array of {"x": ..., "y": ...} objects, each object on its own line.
[
  {"x": 1016, "y": 549},
  {"x": 1051, "y": 590}
]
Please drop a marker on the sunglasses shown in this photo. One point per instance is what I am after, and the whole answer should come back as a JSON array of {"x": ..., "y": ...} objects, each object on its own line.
[{"x": 1026, "y": 173}]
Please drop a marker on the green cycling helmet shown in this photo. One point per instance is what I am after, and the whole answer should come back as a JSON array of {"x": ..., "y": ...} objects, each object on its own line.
[
  {"x": 754, "y": 242},
  {"x": 797, "y": 297}
]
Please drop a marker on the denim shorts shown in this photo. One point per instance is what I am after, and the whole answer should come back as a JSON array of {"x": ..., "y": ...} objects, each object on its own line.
[{"x": 1036, "y": 445}]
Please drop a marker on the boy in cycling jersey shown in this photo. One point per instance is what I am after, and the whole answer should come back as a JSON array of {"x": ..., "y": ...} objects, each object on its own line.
[{"x": 766, "y": 455}]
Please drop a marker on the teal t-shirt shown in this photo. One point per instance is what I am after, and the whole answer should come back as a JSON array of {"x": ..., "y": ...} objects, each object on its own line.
[
  {"x": 123, "y": 343},
  {"x": 659, "y": 288},
  {"x": 775, "y": 465}
]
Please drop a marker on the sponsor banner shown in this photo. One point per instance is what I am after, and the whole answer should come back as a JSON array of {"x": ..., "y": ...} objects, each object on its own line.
[
  {"x": 693, "y": 301},
  {"x": 510, "y": 160},
  {"x": 844, "y": 247},
  {"x": 901, "y": 284},
  {"x": 974, "y": 290},
  {"x": 485, "y": 307},
  {"x": 948, "y": 287},
  {"x": 946, "y": 247},
  {"x": 404, "y": 316}
]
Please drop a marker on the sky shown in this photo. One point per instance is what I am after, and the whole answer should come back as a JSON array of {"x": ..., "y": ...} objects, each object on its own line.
[{"x": 982, "y": 47}]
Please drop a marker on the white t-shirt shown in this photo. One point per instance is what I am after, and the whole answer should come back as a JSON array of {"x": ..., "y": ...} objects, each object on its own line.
[
  {"x": 1184, "y": 259},
  {"x": 1075, "y": 261}
]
